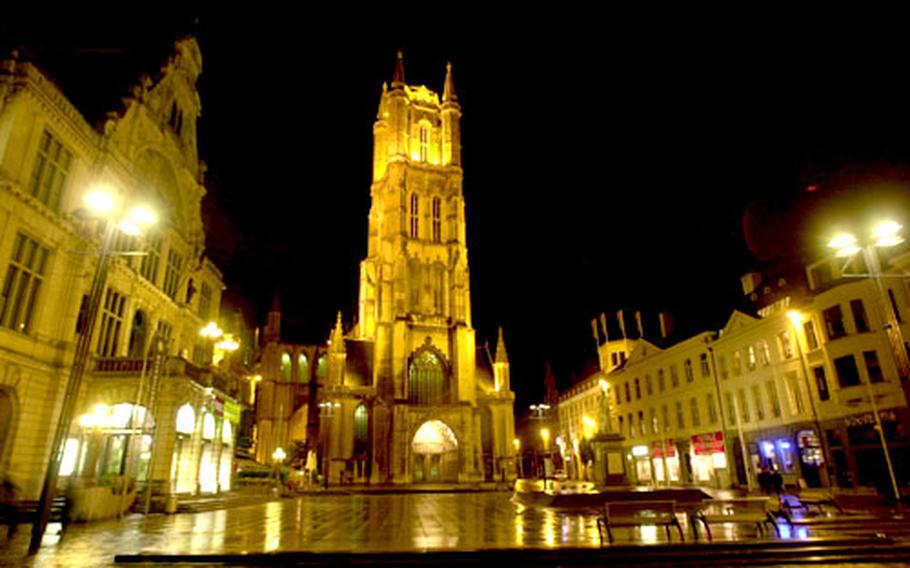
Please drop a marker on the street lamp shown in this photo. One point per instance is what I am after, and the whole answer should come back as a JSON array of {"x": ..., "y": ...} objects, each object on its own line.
[
  {"x": 517, "y": 444},
  {"x": 884, "y": 234},
  {"x": 104, "y": 204},
  {"x": 278, "y": 457}
]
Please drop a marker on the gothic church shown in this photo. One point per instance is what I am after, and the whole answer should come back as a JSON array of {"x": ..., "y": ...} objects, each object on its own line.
[{"x": 406, "y": 396}]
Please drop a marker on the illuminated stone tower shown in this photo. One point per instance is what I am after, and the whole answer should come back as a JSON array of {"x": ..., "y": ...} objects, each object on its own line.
[{"x": 442, "y": 409}]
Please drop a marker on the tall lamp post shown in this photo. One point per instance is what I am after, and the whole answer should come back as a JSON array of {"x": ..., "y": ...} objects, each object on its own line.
[
  {"x": 103, "y": 204},
  {"x": 884, "y": 234}
]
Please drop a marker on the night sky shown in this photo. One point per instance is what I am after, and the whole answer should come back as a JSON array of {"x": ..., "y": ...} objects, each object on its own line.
[{"x": 607, "y": 165}]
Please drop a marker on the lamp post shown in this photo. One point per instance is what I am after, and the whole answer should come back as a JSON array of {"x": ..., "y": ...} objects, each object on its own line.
[
  {"x": 520, "y": 466},
  {"x": 277, "y": 459},
  {"x": 545, "y": 439},
  {"x": 884, "y": 234},
  {"x": 104, "y": 204}
]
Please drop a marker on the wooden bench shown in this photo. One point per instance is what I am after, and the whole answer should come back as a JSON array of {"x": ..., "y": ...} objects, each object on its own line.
[
  {"x": 25, "y": 512},
  {"x": 638, "y": 514},
  {"x": 817, "y": 501},
  {"x": 745, "y": 510}
]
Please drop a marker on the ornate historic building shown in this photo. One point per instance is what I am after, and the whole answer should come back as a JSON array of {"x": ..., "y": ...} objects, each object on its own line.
[
  {"x": 146, "y": 350},
  {"x": 407, "y": 396}
]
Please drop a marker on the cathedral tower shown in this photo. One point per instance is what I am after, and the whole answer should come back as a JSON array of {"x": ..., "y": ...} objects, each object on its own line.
[{"x": 434, "y": 418}]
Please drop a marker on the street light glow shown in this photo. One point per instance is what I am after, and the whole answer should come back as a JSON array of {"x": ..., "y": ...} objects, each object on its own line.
[
  {"x": 101, "y": 201},
  {"x": 844, "y": 244},
  {"x": 603, "y": 385},
  {"x": 279, "y": 455},
  {"x": 211, "y": 330},
  {"x": 795, "y": 316},
  {"x": 887, "y": 234},
  {"x": 142, "y": 216}
]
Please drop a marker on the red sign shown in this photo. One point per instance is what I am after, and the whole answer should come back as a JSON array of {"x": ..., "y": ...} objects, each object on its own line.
[
  {"x": 657, "y": 449},
  {"x": 706, "y": 444}
]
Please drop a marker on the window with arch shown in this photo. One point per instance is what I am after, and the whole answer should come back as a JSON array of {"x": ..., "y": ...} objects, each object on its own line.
[
  {"x": 437, "y": 220},
  {"x": 424, "y": 143},
  {"x": 303, "y": 369},
  {"x": 426, "y": 379},
  {"x": 186, "y": 420},
  {"x": 415, "y": 213},
  {"x": 322, "y": 367},
  {"x": 361, "y": 428},
  {"x": 285, "y": 370}
]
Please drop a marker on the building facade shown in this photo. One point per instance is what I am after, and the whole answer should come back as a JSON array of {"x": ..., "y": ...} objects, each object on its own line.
[
  {"x": 150, "y": 385},
  {"x": 407, "y": 392},
  {"x": 793, "y": 387}
]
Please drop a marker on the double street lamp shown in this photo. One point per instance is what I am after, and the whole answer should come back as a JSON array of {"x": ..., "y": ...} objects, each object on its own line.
[
  {"x": 884, "y": 234},
  {"x": 104, "y": 204}
]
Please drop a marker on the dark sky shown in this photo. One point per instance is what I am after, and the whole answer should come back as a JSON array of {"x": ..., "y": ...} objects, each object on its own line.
[{"x": 607, "y": 164}]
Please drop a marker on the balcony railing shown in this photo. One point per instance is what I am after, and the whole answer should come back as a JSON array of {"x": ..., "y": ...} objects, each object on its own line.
[{"x": 176, "y": 366}]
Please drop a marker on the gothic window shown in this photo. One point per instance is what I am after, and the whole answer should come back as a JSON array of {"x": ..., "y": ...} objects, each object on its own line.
[
  {"x": 426, "y": 379},
  {"x": 23, "y": 280},
  {"x": 424, "y": 143},
  {"x": 52, "y": 165},
  {"x": 437, "y": 221},
  {"x": 175, "y": 121},
  {"x": 285, "y": 369},
  {"x": 361, "y": 428},
  {"x": 205, "y": 301},
  {"x": 415, "y": 212},
  {"x": 148, "y": 267},
  {"x": 303, "y": 369},
  {"x": 172, "y": 273},
  {"x": 137, "y": 335},
  {"x": 322, "y": 367},
  {"x": 111, "y": 324}
]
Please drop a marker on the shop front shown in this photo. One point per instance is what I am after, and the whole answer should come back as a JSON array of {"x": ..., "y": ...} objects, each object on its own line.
[
  {"x": 856, "y": 450},
  {"x": 776, "y": 450},
  {"x": 665, "y": 461},
  {"x": 641, "y": 458},
  {"x": 709, "y": 459}
]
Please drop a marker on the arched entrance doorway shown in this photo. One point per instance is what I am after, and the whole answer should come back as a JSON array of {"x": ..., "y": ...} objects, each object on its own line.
[{"x": 435, "y": 451}]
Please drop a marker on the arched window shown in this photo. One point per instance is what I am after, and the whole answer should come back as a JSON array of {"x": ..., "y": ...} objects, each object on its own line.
[
  {"x": 137, "y": 335},
  {"x": 361, "y": 428},
  {"x": 426, "y": 379},
  {"x": 208, "y": 426},
  {"x": 285, "y": 367},
  {"x": 424, "y": 143},
  {"x": 186, "y": 420},
  {"x": 227, "y": 433},
  {"x": 322, "y": 367},
  {"x": 415, "y": 211},
  {"x": 303, "y": 369},
  {"x": 437, "y": 220}
]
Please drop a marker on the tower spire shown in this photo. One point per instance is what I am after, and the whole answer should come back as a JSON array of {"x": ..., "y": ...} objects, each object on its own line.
[
  {"x": 501, "y": 355},
  {"x": 448, "y": 93},
  {"x": 398, "y": 75}
]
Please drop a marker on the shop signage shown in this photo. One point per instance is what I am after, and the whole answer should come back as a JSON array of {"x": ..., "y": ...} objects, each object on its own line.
[
  {"x": 706, "y": 444},
  {"x": 657, "y": 449},
  {"x": 868, "y": 418}
]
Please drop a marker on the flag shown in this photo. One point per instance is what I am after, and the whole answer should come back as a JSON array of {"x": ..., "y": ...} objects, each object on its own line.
[
  {"x": 622, "y": 324},
  {"x": 641, "y": 332},
  {"x": 594, "y": 331},
  {"x": 603, "y": 322}
]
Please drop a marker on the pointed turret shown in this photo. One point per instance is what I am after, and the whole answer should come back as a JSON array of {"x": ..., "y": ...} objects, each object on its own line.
[
  {"x": 272, "y": 332},
  {"x": 398, "y": 75},
  {"x": 448, "y": 93},
  {"x": 501, "y": 355},
  {"x": 337, "y": 336}
]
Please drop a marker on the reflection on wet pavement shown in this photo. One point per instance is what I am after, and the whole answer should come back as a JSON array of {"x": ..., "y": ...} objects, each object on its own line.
[{"x": 338, "y": 523}]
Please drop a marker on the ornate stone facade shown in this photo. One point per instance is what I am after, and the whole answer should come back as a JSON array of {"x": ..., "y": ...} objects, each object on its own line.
[{"x": 51, "y": 155}]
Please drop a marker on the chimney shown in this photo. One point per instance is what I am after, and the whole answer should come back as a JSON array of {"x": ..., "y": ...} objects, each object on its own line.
[{"x": 666, "y": 324}]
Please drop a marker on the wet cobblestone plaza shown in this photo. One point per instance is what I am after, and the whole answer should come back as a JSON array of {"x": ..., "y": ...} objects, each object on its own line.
[{"x": 366, "y": 522}]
